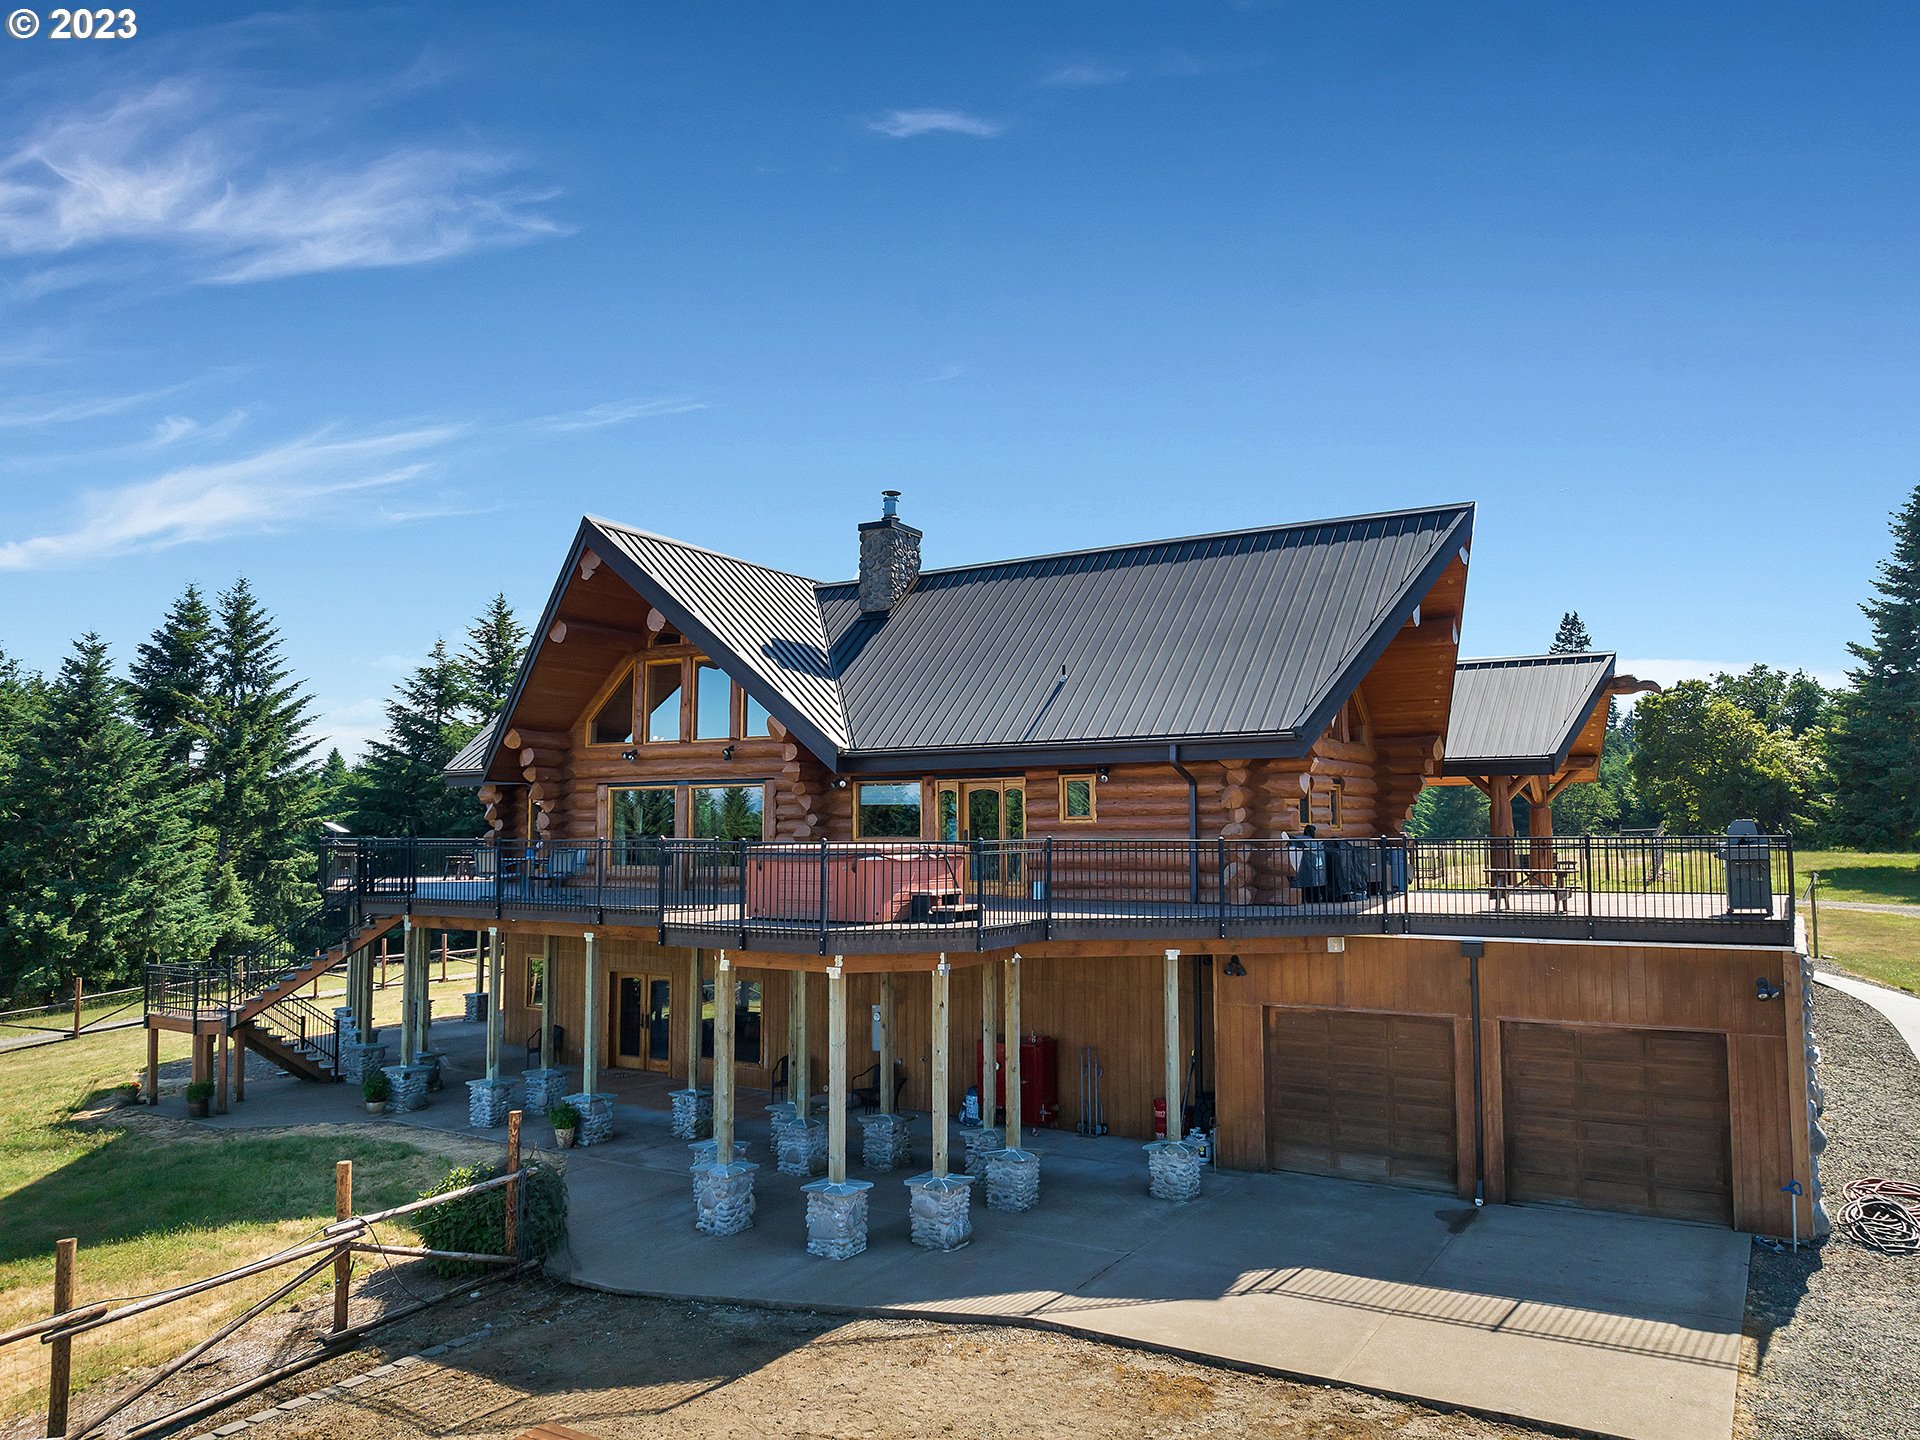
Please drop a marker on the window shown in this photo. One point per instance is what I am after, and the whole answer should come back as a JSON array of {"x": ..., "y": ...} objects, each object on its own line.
[
  {"x": 946, "y": 811},
  {"x": 1334, "y": 799},
  {"x": 887, "y": 812},
  {"x": 613, "y": 723},
  {"x": 756, "y": 717},
  {"x": 712, "y": 703},
  {"x": 1305, "y": 807},
  {"x": 728, "y": 812},
  {"x": 746, "y": 1021},
  {"x": 663, "y": 701},
  {"x": 536, "y": 980},
  {"x": 1077, "y": 806},
  {"x": 636, "y": 815}
]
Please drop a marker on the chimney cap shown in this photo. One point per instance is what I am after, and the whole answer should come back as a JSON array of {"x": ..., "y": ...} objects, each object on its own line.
[{"x": 889, "y": 504}]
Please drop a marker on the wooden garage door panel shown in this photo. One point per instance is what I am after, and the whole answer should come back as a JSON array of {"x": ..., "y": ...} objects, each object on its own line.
[
  {"x": 1631, "y": 1120},
  {"x": 1362, "y": 1096}
]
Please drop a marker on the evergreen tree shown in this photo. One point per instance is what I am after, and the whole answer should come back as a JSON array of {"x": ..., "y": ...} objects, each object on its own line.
[
  {"x": 261, "y": 793},
  {"x": 171, "y": 681},
  {"x": 106, "y": 876},
  {"x": 1448, "y": 812},
  {"x": 334, "y": 789},
  {"x": 402, "y": 791},
  {"x": 1571, "y": 636},
  {"x": 1875, "y": 743},
  {"x": 490, "y": 663}
]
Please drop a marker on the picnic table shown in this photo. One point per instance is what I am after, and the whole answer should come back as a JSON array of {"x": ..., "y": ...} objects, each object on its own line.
[{"x": 1555, "y": 879}]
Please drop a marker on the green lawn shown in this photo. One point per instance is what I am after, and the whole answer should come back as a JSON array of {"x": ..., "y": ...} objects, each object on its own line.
[
  {"x": 1886, "y": 879},
  {"x": 155, "y": 1204},
  {"x": 1883, "y": 948}
]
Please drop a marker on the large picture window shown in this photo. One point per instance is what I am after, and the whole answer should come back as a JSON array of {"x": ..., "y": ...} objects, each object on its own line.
[
  {"x": 728, "y": 812},
  {"x": 613, "y": 722},
  {"x": 712, "y": 703},
  {"x": 887, "y": 811},
  {"x": 637, "y": 815},
  {"x": 663, "y": 701},
  {"x": 746, "y": 1021}
]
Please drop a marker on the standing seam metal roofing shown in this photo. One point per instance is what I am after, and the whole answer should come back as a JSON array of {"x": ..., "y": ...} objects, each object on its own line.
[
  {"x": 1522, "y": 710},
  {"x": 1242, "y": 634}
]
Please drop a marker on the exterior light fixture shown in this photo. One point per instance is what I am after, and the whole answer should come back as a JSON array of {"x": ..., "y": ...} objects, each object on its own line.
[
  {"x": 1765, "y": 990},
  {"x": 726, "y": 752},
  {"x": 839, "y": 782},
  {"x": 1102, "y": 774},
  {"x": 629, "y": 754},
  {"x": 1234, "y": 967}
]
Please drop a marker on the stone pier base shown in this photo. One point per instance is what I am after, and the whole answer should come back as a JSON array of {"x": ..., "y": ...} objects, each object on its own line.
[
  {"x": 409, "y": 1085},
  {"x": 596, "y": 1117},
  {"x": 344, "y": 1031},
  {"x": 544, "y": 1089},
  {"x": 706, "y": 1152},
  {"x": 357, "y": 1061},
  {"x": 435, "y": 1061},
  {"x": 476, "y": 1006},
  {"x": 1173, "y": 1170},
  {"x": 488, "y": 1102},
  {"x": 1013, "y": 1180},
  {"x": 837, "y": 1218},
  {"x": 981, "y": 1142},
  {"x": 781, "y": 1112},
  {"x": 692, "y": 1113},
  {"x": 723, "y": 1198},
  {"x": 940, "y": 1210},
  {"x": 887, "y": 1143},
  {"x": 801, "y": 1146}
]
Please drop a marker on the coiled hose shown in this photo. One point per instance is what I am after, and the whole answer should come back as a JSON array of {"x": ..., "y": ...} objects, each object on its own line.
[{"x": 1883, "y": 1215}]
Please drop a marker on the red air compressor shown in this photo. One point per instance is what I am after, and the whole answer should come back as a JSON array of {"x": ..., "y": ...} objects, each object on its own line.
[{"x": 1039, "y": 1080}]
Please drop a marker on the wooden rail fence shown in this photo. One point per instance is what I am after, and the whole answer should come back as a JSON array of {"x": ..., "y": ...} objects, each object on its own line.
[{"x": 335, "y": 1246}]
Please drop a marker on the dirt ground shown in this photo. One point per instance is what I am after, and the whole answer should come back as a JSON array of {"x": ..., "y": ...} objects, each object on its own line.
[{"x": 616, "y": 1367}]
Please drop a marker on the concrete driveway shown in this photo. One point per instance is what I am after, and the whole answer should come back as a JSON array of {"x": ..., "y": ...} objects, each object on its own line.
[{"x": 1606, "y": 1324}]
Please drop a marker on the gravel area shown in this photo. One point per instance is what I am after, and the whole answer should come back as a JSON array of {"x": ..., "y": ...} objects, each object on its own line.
[{"x": 1835, "y": 1333}]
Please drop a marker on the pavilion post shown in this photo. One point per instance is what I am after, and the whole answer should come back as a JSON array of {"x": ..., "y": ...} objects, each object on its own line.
[
  {"x": 594, "y": 1106},
  {"x": 938, "y": 1202},
  {"x": 837, "y": 1206},
  {"x": 489, "y": 1099},
  {"x": 886, "y": 1144},
  {"x": 799, "y": 1140},
  {"x": 1013, "y": 1174},
  {"x": 1173, "y": 1166},
  {"x": 693, "y": 1107},
  {"x": 988, "y": 1138},
  {"x": 722, "y": 1184}
]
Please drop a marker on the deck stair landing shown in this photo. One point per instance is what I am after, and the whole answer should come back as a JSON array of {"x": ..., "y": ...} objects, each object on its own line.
[{"x": 279, "y": 982}]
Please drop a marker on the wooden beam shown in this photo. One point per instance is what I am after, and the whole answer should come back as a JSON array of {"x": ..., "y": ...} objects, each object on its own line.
[
  {"x": 546, "y": 1003},
  {"x": 799, "y": 1067},
  {"x": 694, "y": 1005},
  {"x": 1170, "y": 1018},
  {"x": 1012, "y": 969},
  {"x": 589, "y": 562},
  {"x": 887, "y": 1098},
  {"x": 942, "y": 981},
  {"x": 837, "y": 1076},
  {"x": 723, "y": 1003},
  {"x": 494, "y": 969},
  {"x": 562, "y": 631},
  {"x": 989, "y": 1043}
]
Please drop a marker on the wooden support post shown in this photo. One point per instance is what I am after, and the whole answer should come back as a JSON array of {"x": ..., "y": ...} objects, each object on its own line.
[
  {"x": 238, "y": 1063},
  {"x": 1014, "y": 1106},
  {"x": 723, "y": 1003},
  {"x": 887, "y": 1098},
  {"x": 78, "y": 987},
  {"x": 490, "y": 986},
  {"x": 837, "y": 1074},
  {"x": 942, "y": 981},
  {"x": 510, "y": 1235},
  {"x": 446, "y": 944},
  {"x": 989, "y": 1044},
  {"x": 343, "y": 1259},
  {"x": 590, "y": 1028},
  {"x": 800, "y": 1068},
  {"x": 408, "y": 944},
  {"x": 547, "y": 1057},
  {"x": 223, "y": 1069},
  {"x": 694, "y": 1004},
  {"x": 60, "y": 1351},
  {"x": 1170, "y": 1014},
  {"x": 153, "y": 1065}
]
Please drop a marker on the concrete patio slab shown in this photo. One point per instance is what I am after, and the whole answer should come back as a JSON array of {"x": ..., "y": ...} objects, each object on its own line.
[{"x": 1603, "y": 1323}]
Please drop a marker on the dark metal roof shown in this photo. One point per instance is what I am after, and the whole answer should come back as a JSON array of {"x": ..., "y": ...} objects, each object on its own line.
[
  {"x": 469, "y": 767},
  {"x": 1519, "y": 715},
  {"x": 1250, "y": 638}
]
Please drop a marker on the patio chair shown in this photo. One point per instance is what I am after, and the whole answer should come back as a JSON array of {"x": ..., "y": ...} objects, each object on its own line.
[
  {"x": 777, "y": 1085},
  {"x": 866, "y": 1087},
  {"x": 559, "y": 1046}
]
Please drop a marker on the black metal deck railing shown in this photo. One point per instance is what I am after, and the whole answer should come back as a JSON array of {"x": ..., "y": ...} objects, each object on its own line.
[
  {"x": 918, "y": 896},
  {"x": 213, "y": 989}
]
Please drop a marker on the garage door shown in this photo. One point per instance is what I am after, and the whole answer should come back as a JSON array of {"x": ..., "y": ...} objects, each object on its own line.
[
  {"x": 1367, "y": 1097},
  {"x": 1630, "y": 1120}
]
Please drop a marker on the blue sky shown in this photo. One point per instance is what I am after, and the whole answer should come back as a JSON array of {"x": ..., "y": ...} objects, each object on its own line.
[{"x": 371, "y": 303}]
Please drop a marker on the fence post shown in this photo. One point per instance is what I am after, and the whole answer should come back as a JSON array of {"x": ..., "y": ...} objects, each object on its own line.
[
  {"x": 823, "y": 905},
  {"x": 1220, "y": 882},
  {"x": 1813, "y": 906},
  {"x": 1586, "y": 860},
  {"x": 742, "y": 843},
  {"x": 343, "y": 1257},
  {"x": 510, "y": 1236},
  {"x": 1049, "y": 844},
  {"x": 78, "y": 985},
  {"x": 60, "y": 1351}
]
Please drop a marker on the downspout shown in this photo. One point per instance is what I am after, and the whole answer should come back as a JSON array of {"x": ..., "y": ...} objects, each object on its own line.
[{"x": 1193, "y": 822}]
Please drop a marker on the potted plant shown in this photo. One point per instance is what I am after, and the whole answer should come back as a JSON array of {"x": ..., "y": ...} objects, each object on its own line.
[
  {"x": 198, "y": 1094},
  {"x": 376, "y": 1089},
  {"x": 566, "y": 1125}
]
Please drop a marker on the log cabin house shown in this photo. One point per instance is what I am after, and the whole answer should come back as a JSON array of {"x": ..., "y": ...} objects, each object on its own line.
[{"x": 1118, "y": 833}]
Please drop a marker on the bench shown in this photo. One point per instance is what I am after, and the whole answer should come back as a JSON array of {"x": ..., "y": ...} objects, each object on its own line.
[
  {"x": 935, "y": 906},
  {"x": 1555, "y": 879}
]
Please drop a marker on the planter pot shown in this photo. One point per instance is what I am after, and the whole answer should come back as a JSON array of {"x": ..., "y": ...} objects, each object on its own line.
[
  {"x": 196, "y": 1109},
  {"x": 565, "y": 1138},
  {"x": 376, "y": 1107}
]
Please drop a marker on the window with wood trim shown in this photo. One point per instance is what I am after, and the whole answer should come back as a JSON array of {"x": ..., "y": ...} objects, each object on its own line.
[
  {"x": 536, "y": 979},
  {"x": 886, "y": 811},
  {"x": 664, "y": 722},
  {"x": 1079, "y": 799},
  {"x": 612, "y": 723},
  {"x": 712, "y": 702},
  {"x": 637, "y": 817},
  {"x": 728, "y": 812},
  {"x": 754, "y": 717},
  {"x": 1336, "y": 808}
]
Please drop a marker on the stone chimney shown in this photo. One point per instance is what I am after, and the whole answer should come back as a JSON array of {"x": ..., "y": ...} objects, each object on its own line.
[{"x": 889, "y": 557}]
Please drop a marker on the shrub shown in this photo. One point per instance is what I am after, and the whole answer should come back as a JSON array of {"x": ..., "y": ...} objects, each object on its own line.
[
  {"x": 563, "y": 1117},
  {"x": 199, "y": 1092},
  {"x": 375, "y": 1086},
  {"x": 477, "y": 1223}
]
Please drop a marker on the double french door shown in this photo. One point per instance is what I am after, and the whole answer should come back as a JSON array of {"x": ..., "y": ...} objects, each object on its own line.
[
  {"x": 642, "y": 1022},
  {"x": 993, "y": 812}
]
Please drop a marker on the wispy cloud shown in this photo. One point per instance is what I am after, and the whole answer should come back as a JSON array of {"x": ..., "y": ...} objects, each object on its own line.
[
  {"x": 174, "y": 429},
  {"x": 268, "y": 490},
  {"x": 49, "y": 410},
  {"x": 1085, "y": 73},
  {"x": 908, "y": 124},
  {"x": 946, "y": 372},
  {"x": 171, "y": 166},
  {"x": 619, "y": 412}
]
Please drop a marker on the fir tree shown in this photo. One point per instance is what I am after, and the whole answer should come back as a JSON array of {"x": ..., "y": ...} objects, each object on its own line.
[
  {"x": 490, "y": 663},
  {"x": 1875, "y": 745},
  {"x": 260, "y": 802},
  {"x": 171, "y": 681},
  {"x": 106, "y": 873},
  {"x": 402, "y": 789},
  {"x": 1572, "y": 635},
  {"x": 333, "y": 789}
]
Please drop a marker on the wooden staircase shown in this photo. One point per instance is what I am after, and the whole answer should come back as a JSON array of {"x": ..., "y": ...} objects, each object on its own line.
[
  {"x": 289, "y": 981},
  {"x": 305, "y": 1062}
]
